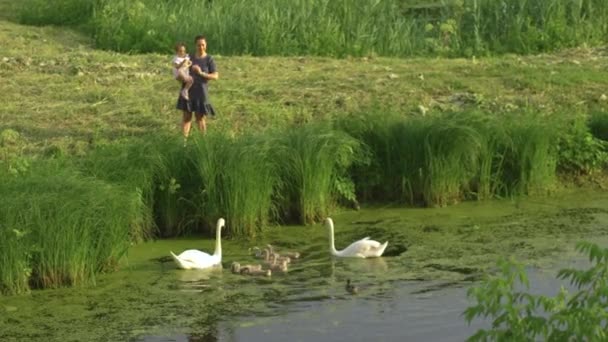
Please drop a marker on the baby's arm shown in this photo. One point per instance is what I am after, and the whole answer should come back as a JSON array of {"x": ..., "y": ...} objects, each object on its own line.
[
  {"x": 178, "y": 65},
  {"x": 185, "y": 62}
]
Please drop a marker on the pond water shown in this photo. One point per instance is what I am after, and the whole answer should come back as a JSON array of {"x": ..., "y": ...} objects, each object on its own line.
[
  {"x": 417, "y": 292},
  {"x": 400, "y": 311}
]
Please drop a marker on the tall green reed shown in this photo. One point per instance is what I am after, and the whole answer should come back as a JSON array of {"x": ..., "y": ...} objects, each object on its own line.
[
  {"x": 334, "y": 27},
  {"x": 15, "y": 269},
  {"x": 531, "y": 155},
  {"x": 488, "y": 181},
  {"x": 313, "y": 161},
  {"x": 452, "y": 155},
  {"x": 445, "y": 158},
  {"x": 392, "y": 144},
  {"x": 137, "y": 167},
  {"x": 526, "y": 26},
  {"x": 176, "y": 186},
  {"x": 67, "y": 227},
  {"x": 237, "y": 178}
]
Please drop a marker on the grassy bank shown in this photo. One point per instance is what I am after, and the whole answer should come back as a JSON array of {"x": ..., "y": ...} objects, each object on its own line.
[
  {"x": 92, "y": 95},
  {"x": 333, "y": 27}
]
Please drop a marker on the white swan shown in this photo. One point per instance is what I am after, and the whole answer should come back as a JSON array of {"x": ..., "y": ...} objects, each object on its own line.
[
  {"x": 364, "y": 248},
  {"x": 193, "y": 259}
]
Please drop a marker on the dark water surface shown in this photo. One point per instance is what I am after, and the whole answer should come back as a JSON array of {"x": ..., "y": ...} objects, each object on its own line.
[
  {"x": 408, "y": 311},
  {"x": 416, "y": 293}
]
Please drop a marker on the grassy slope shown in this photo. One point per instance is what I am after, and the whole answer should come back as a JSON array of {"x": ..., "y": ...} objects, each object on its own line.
[{"x": 59, "y": 91}]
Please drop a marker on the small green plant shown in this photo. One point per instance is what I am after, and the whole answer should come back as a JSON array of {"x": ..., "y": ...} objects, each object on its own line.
[
  {"x": 520, "y": 316},
  {"x": 580, "y": 151}
]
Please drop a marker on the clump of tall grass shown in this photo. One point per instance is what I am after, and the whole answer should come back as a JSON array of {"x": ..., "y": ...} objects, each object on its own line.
[
  {"x": 416, "y": 159},
  {"x": 334, "y": 27},
  {"x": 445, "y": 158},
  {"x": 396, "y": 150},
  {"x": 531, "y": 155},
  {"x": 15, "y": 269},
  {"x": 175, "y": 188},
  {"x": 313, "y": 161},
  {"x": 237, "y": 177},
  {"x": 136, "y": 167},
  {"x": 63, "y": 228}
]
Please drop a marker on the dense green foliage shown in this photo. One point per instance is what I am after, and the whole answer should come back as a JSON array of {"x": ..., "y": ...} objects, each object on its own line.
[
  {"x": 60, "y": 227},
  {"x": 333, "y": 27},
  {"x": 444, "y": 159},
  {"x": 521, "y": 316},
  {"x": 582, "y": 147}
]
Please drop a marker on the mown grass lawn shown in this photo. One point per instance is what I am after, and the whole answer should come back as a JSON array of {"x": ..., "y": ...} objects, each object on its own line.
[{"x": 59, "y": 92}]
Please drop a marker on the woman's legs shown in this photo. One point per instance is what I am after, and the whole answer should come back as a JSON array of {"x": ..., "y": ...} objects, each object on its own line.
[
  {"x": 186, "y": 123},
  {"x": 202, "y": 122}
]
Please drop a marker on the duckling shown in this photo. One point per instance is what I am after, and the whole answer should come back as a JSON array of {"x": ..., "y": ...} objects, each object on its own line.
[
  {"x": 267, "y": 257},
  {"x": 276, "y": 258},
  {"x": 247, "y": 271},
  {"x": 258, "y": 253},
  {"x": 281, "y": 267},
  {"x": 251, "y": 268},
  {"x": 350, "y": 288},
  {"x": 292, "y": 255},
  {"x": 270, "y": 248},
  {"x": 235, "y": 267}
]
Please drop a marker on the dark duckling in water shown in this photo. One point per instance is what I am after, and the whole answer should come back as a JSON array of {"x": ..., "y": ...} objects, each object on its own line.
[{"x": 350, "y": 288}]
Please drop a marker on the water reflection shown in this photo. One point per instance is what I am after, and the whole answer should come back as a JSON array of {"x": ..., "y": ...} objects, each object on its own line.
[
  {"x": 356, "y": 265},
  {"x": 198, "y": 275},
  {"x": 212, "y": 333}
]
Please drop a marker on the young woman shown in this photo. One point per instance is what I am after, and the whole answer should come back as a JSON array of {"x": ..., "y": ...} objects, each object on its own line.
[{"x": 202, "y": 71}]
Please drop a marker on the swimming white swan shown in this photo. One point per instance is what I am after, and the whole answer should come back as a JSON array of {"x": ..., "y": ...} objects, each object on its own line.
[
  {"x": 364, "y": 248},
  {"x": 193, "y": 259}
]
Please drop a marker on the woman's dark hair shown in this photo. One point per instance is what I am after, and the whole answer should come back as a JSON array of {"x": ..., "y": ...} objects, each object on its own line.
[{"x": 199, "y": 37}]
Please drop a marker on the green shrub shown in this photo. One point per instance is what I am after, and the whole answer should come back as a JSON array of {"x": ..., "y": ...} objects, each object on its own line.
[
  {"x": 580, "y": 151},
  {"x": 520, "y": 316}
]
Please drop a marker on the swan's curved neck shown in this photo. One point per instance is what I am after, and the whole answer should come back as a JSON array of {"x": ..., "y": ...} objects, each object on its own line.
[
  {"x": 218, "y": 240},
  {"x": 332, "y": 245}
]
